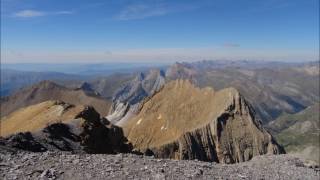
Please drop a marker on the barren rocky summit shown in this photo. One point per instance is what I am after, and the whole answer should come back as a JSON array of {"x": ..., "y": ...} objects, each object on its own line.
[
  {"x": 64, "y": 165},
  {"x": 185, "y": 122}
]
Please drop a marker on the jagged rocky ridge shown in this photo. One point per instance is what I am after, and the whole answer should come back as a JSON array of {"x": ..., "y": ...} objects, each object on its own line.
[
  {"x": 87, "y": 133},
  {"x": 128, "y": 99},
  {"x": 185, "y": 122}
]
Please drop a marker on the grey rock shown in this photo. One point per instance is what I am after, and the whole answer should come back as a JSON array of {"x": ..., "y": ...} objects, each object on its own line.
[
  {"x": 129, "y": 98},
  {"x": 101, "y": 166}
]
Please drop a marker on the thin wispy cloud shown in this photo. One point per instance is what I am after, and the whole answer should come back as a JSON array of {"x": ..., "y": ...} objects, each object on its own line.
[
  {"x": 62, "y": 12},
  {"x": 28, "y": 13},
  {"x": 141, "y": 11},
  {"x": 149, "y": 9}
]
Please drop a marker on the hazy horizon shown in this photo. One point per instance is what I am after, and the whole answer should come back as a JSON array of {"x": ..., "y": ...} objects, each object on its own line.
[{"x": 152, "y": 63}]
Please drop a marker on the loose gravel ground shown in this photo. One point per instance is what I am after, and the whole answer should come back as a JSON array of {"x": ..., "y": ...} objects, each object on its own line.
[{"x": 63, "y": 165}]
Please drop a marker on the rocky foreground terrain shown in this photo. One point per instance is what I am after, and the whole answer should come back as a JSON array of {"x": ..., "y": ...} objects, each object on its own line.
[{"x": 64, "y": 165}]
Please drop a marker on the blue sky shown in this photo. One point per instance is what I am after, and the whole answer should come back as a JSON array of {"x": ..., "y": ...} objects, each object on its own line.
[{"x": 63, "y": 31}]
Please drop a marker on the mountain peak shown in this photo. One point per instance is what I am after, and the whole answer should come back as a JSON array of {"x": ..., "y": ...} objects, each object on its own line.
[
  {"x": 46, "y": 84},
  {"x": 128, "y": 98},
  {"x": 181, "y": 71},
  {"x": 186, "y": 116}
]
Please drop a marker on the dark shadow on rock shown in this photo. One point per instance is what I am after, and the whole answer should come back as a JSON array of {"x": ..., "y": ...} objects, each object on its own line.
[
  {"x": 24, "y": 141},
  {"x": 93, "y": 135}
]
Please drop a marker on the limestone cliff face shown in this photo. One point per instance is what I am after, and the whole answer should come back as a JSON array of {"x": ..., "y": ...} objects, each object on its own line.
[
  {"x": 185, "y": 122},
  {"x": 128, "y": 99}
]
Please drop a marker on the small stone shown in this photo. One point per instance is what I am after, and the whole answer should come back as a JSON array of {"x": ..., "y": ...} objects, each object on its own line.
[
  {"x": 49, "y": 173},
  {"x": 88, "y": 176},
  {"x": 242, "y": 176},
  {"x": 159, "y": 176},
  {"x": 161, "y": 170},
  {"x": 76, "y": 161},
  {"x": 200, "y": 171}
]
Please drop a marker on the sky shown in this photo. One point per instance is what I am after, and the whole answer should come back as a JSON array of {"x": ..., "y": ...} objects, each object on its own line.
[{"x": 97, "y": 31}]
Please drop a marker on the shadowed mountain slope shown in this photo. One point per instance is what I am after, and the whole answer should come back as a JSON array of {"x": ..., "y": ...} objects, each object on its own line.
[
  {"x": 299, "y": 133},
  {"x": 86, "y": 132}
]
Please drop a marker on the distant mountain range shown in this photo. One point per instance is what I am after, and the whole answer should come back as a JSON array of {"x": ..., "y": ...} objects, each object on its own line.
[
  {"x": 94, "y": 69},
  {"x": 12, "y": 80},
  {"x": 184, "y": 111},
  {"x": 272, "y": 87}
]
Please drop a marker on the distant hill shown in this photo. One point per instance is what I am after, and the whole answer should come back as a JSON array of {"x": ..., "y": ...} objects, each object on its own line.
[
  {"x": 104, "y": 83},
  {"x": 47, "y": 90},
  {"x": 87, "y": 69},
  {"x": 12, "y": 80},
  {"x": 299, "y": 133},
  {"x": 248, "y": 64}
]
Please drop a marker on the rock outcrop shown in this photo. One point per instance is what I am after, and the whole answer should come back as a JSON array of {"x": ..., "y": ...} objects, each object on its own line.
[
  {"x": 38, "y": 116},
  {"x": 185, "y": 122},
  {"x": 87, "y": 132},
  {"x": 128, "y": 99},
  {"x": 98, "y": 135},
  {"x": 87, "y": 88}
]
